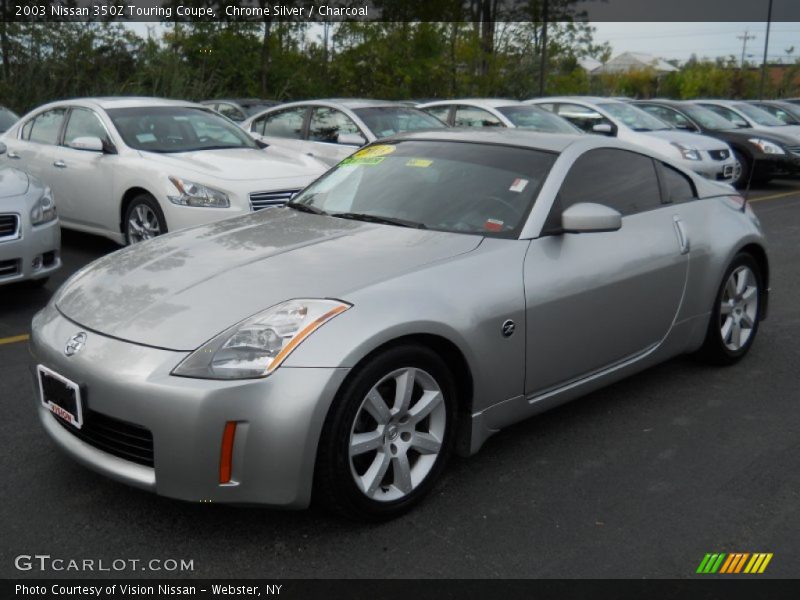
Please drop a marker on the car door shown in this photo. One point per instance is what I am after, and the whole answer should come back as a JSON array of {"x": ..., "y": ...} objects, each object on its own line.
[
  {"x": 284, "y": 128},
  {"x": 34, "y": 149},
  {"x": 597, "y": 299},
  {"x": 85, "y": 179},
  {"x": 470, "y": 116},
  {"x": 324, "y": 128}
]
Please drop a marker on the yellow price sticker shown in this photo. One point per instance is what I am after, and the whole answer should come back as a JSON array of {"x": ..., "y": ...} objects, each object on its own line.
[
  {"x": 375, "y": 151},
  {"x": 419, "y": 162}
]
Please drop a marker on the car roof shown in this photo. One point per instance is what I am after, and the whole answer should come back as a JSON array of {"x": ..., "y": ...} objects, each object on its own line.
[
  {"x": 350, "y": 103},
  {"x": 551, "y": 142},
  {"x": 109, "y": 102},
  {"x": 485, "y": 102},
  {"x": 584, "y": 99},
  {"x": 242, "y": 101}
]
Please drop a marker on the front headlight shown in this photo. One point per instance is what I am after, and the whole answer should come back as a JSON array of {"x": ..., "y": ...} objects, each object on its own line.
[
  {"x": 258, "y": 345},
  {"x": 687, "y": 152},
  {"x": 44, "y": 210},
  {"x": 196, "y": 194},
  {"x": 766, "y": 146}
]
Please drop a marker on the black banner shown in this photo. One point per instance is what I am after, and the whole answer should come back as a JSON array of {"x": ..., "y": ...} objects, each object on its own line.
[
  {"x": 399, "y": 10},
  {"x": 734, "y": 588}
]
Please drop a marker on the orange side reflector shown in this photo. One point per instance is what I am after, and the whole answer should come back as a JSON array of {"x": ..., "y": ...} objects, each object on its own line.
[{"x": 226, "y": 455}]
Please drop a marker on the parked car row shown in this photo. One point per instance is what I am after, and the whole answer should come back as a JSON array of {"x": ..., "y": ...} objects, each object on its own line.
[{"x": 134, "y": 168}]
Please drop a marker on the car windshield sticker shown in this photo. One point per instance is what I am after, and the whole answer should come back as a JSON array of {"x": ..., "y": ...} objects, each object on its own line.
[
  {"x": 518, "y": 185},
  {"x": 372, "y": 151},
  {"x": 493, "y": 225},
  {"x": 144, "y": 138},
  {"x": 419, "y": 162},
  {"x": 365, "y": 161}
]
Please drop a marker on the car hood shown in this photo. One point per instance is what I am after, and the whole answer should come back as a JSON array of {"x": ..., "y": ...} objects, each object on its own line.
[
  {"x": 240, "y": 164},
  {"x": 179, "y": 290},
  {"x": 701, "y": 142},
  {"x": 13, "y": 182}
]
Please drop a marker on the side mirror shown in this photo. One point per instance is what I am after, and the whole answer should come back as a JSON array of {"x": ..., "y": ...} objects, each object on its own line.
[
  {"x": 588, "y": 217},
  {"x": 87, "y": 143},
  {"x": 3, "y": 148},
  {"x": 350, "y": 139},
  {"x": 261, "y": 143},
  {"x": 604, "y": 129}
]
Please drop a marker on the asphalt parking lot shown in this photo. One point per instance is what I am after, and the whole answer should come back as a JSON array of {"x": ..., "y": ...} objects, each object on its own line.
[{"x": 641, "y": 479}]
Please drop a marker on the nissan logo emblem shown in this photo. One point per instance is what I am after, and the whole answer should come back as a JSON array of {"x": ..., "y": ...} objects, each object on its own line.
[
  {"x": 508, "y": 328},
  {"x": 75, "y": 344}
]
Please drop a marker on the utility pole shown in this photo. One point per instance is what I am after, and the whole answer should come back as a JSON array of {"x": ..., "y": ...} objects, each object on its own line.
[
  {"x": 744, "y": 39},
  {"x": 766, "y": 48}
]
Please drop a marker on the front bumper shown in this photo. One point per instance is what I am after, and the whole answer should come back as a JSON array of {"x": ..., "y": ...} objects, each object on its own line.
[
  {"x": 279, "y": 419},
  {"x": 34, "y": 254},
  {"x": 717, "y": 170},
  {"x": 770, "y": 165}
]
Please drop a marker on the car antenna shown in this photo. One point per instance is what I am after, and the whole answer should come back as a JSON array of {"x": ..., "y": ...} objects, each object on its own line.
[{"x": 747, "y": 188}]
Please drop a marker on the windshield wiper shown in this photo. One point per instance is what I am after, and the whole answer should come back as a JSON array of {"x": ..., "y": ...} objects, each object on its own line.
[
  {"x": 307, "y": 208},
  {"x": 382, "y": 220}
]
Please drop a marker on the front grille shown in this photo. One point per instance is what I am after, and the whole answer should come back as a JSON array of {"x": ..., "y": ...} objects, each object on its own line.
[
  {"x": 122, "y": 439},
  {"x": 9, "y": 267},
  {"x": 719, "y": 154},
  {"x": 9, "y": 226},
  {"x": 794, "y": 150},
  {"x": 259, "y": 200}
]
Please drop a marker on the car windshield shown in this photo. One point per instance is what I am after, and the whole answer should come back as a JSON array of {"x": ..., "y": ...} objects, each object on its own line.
[
  {"x": 633, "y": 117},
  {"x": 177, "y": 129},
  {"x": 538, "y": 119},
  {"x": 7, "y": 118},
  {"x": 384, "y": 121},
  {"x": 759, "y": 115},
  {"x": 708, "y": 119},
  {"x": 257, "y": 107},
  {"x": 447, "y": 186}
]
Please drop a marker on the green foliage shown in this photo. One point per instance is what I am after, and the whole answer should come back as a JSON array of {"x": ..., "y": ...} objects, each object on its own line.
[{"x": 489, "y": 56}]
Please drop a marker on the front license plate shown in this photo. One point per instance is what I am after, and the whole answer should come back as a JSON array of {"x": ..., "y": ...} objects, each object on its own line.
[
  {"x": 60, "y": 396},
  {"x": 728, "y": 171}
]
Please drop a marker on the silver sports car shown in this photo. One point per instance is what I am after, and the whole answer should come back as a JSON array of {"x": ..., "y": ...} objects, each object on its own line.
[{"x": 426, "y": 292}]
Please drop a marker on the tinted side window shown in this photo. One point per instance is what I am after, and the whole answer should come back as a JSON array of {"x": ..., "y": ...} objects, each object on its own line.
[
  {"x": 582, "y": 116},
  {"x": 677, "y": 187},
  {"x": 619, "y": 179},
  {"x": 440, "y": 112},
  {"x": 728, "y": 114},
  {"x": 230, "y": 111},
  {"x": 328, "y": 123},
  {"x": 467, "y": 116},
  {"x": 46, "y": 126},
  {"x": 667, "y": 115},
  {"x": 285, "y": 124},
  {"x": 84, "y": 123}
]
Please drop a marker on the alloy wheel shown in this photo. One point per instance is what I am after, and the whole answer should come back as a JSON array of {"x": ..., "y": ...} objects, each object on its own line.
[
  {"x": 143, "y": 224},
  {"x": 738, "y": 308},
  {"x": 397, "y": 434}
]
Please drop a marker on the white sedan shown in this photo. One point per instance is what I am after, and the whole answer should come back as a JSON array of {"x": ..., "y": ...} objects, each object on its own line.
[{"x": 133, "y": 168}]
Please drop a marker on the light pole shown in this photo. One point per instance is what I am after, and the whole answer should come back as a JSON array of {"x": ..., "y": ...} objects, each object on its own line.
[{"x": 766, "y": 48}]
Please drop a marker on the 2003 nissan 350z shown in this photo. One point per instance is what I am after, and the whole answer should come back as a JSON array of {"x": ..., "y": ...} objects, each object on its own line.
[{"x": 426, "y": 292}]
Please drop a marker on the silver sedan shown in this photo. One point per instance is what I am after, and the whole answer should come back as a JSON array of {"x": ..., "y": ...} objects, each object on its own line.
[
  {"x": 425, "y": 293},
  {"x": 30, "y": 238}
]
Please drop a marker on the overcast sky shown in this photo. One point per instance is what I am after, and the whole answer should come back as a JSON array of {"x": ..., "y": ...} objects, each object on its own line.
[{"x": 680, "y": 40}]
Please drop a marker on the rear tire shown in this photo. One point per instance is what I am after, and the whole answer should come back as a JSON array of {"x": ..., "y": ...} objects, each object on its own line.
[
  {"x": 143, "y": 220},
  {"x": 381, "y": 449},
  {"x": 736, "y": 313}
]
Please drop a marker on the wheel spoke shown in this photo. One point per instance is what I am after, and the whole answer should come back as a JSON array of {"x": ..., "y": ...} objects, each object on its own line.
[
  {"x": 426, "y": 443},
  {"x": 746, "y": 321},
  {"x": 405, "y": 387},
  {"x": 725, "y": 309},
  {"x": 749, "y": 293},
  {"x": 726, "y": 330},
  {"x": 401, "y": 470},
  {"x": 374, "y": 475},
  {"x": 742, "y": 279},
  {"x": 376, "y": 407},
  {"x": 730, "y": 287},
  {"x": 425, "y": 405},
  {"x": 361, "y": 443},
  {"x": 736, "y": 335}
]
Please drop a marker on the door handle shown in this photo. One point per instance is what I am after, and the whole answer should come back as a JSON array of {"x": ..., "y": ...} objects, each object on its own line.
[
  {"x": 683, "y": 238},
  {"x": 60, "y": 164},
  {"x": 12, "y": 154}
]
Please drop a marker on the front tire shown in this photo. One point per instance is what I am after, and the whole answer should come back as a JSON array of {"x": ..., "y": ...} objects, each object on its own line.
[
  {"x": 388, "y": 435},
  {"x": 736, "y": 313},
  {"x": 143, "y": 220},
  {"x": 746, "y": 166}
]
